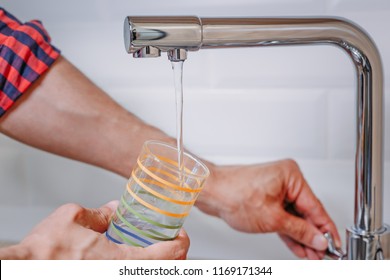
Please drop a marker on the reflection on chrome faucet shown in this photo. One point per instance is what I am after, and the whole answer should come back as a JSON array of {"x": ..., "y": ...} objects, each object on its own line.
[{"x": 369, "y": 237}]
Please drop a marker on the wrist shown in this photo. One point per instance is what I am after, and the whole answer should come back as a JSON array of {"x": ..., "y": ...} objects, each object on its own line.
[
  {"x": 208, "y": 200},
  {"x": 128, "y": 155}
]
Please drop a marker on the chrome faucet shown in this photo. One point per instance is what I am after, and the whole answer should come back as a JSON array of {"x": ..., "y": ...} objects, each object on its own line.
[{"x": 369, "y": 237}]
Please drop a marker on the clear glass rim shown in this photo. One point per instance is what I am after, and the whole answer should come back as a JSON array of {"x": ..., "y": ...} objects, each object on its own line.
[{"x": 148, "y": 143}]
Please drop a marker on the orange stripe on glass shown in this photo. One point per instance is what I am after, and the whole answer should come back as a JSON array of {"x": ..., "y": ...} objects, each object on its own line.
[
  {"x": 154, "y": 208},
  {"x": 157, "y": 194},
  {"x": 174, "y": 163},
  {"x": 165, "y": 182}
]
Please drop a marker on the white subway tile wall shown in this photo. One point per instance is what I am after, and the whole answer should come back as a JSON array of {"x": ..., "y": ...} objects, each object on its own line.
[{"x": 241, "y": 106}]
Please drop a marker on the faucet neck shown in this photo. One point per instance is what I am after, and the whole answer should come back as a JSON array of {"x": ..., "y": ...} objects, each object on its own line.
[{"x": 192, "y": 33}]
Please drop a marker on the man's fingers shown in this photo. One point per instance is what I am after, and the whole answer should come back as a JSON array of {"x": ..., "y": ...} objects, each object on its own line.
[
  {"x": 97, "y": 219},
  {"x": 168, "y": 250},
  {"x": 314, "y": 212},
  {"x": 303, "y": 232},
  {"x": 294, "y": 246},
  {"x": 308, "y": 205}
]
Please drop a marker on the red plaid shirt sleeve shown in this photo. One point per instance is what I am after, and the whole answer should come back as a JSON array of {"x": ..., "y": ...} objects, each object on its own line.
[{"x": 25, "y": 54}]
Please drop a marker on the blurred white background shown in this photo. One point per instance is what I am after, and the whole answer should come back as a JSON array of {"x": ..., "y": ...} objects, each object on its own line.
[{"x": 241, "y": 106}]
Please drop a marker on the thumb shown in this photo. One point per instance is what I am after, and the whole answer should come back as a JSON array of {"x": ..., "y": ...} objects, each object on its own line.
[
  {"x": 175, "y": 249},
  {"x": 98, "y": 219},
  {"x": 303, "y": 232}
]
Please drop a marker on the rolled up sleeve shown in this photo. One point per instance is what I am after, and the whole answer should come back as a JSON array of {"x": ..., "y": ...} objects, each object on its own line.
[{"x": 26, "y": 53}]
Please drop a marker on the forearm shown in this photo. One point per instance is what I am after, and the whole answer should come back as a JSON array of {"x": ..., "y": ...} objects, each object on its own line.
[{"x": 66, "y": 114}]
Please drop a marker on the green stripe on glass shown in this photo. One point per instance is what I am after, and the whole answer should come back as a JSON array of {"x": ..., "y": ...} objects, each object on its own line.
[
  {"x": 142, "y": 217},
  {"x": 159, "y": 233},
  {"x": 123, "y": 220},
  {"x": 124, "y": 238}
]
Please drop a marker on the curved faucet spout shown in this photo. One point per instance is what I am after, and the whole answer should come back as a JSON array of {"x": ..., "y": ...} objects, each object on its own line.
[{"x": 193, "y": 33}]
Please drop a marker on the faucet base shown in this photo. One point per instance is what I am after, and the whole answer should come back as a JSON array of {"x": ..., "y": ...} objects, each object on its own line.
[{"x": 368, "y": 246}]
